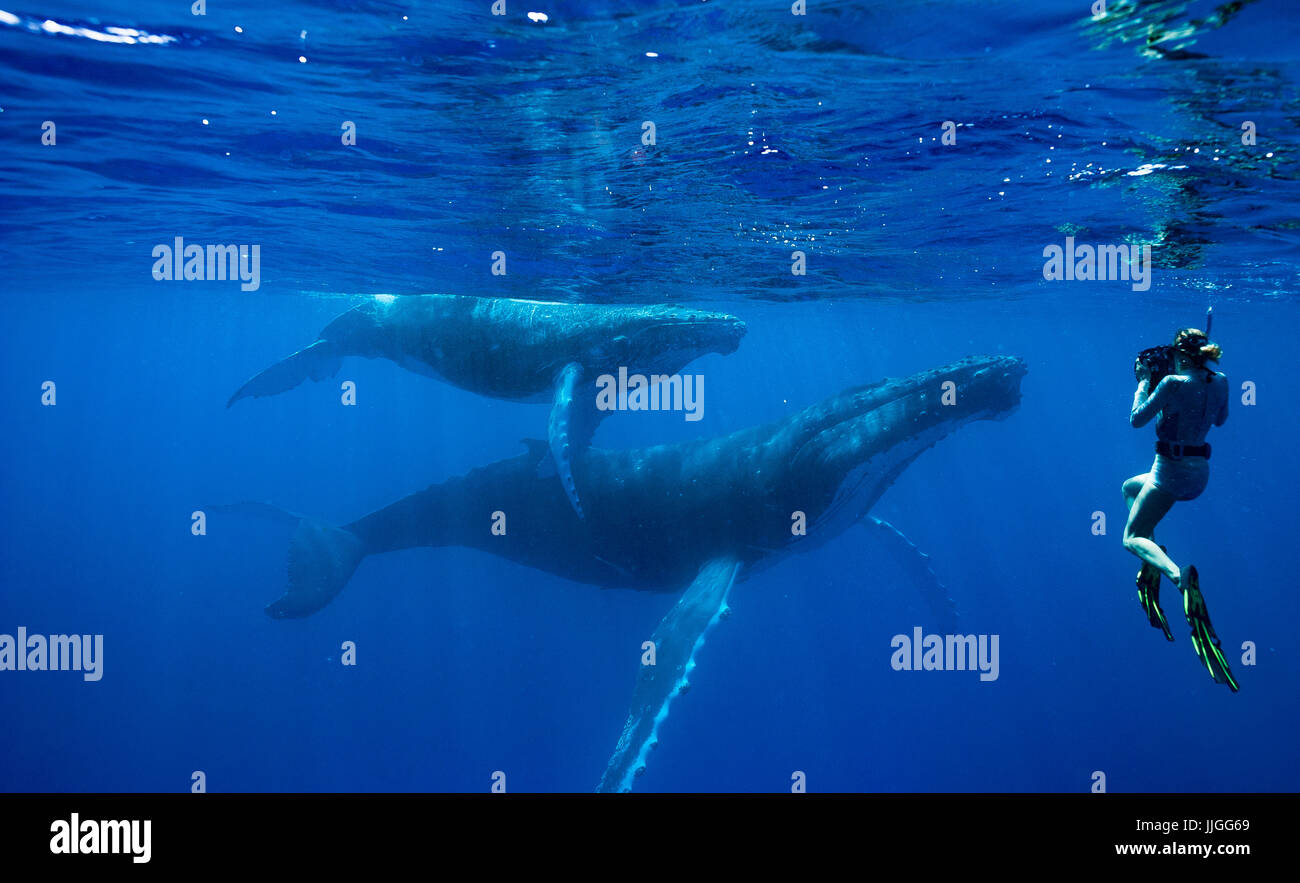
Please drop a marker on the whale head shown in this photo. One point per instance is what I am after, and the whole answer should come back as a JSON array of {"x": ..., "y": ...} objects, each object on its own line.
[
  {"x": 846, "y": 451},
  {"x": 667, "y": 338},
  {"x": 832, "y": 461}
]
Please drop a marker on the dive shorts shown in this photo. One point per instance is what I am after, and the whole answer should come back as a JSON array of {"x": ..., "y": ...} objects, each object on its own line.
[{"x": 1184, "y": 478}]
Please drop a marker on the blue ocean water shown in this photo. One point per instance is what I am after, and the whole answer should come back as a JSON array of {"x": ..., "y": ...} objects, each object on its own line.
[{"x": 524, "y": 134}]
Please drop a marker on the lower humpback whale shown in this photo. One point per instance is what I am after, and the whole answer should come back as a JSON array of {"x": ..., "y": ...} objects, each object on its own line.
[
  {"x": 697, "y": 516},
  {"x": 512, "y": 349}
]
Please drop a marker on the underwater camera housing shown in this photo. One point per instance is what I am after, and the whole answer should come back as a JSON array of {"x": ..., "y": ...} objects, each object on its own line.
[{"x": 1156, "y": 362}]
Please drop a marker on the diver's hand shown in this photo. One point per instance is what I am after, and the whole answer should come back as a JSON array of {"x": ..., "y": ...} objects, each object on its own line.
[{"x": 1141, "y": 370}]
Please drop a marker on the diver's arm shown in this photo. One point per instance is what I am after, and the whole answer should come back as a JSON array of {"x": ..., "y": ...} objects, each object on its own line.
[{"x": 1144, "y": 407}]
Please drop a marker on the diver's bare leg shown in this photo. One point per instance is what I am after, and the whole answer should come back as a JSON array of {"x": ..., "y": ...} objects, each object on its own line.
[
  {"x": 1151, "y": 505},
  {"x": 1133, "y": 487}
]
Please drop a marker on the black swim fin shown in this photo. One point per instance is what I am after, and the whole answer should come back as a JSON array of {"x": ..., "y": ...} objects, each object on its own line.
[
  {"x": 1204, "y": 639},
  {"x": 1148, "y": 584}
]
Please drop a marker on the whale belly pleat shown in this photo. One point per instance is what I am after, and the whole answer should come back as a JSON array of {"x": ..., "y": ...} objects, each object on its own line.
[{"x": 677, "y": 639}]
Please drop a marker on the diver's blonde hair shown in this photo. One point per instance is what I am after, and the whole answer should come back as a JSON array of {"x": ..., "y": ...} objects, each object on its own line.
[{"x": 1194, "y": 342}]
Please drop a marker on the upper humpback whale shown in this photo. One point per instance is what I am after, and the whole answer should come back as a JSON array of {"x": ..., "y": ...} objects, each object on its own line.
[
  {"x": 512, "y": 349},
  {"x": 697, "y": 516}
]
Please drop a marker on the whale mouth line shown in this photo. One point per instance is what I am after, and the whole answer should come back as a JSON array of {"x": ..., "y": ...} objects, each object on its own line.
[
  {"x": 700, "y": 333},
  {"x": 699, "y": 321}
]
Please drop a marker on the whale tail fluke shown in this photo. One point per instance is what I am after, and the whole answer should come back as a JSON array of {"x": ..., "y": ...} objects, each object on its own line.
[
  {"x": 322, "y": 558},
  {"x": 321, "y": 561},
  {"x": 320, "y": 360}
]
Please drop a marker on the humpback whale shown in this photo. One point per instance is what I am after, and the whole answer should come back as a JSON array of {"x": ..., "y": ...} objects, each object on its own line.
[
  {"x": 512, "y": 349},
  {"x": 693, "y": 518}
]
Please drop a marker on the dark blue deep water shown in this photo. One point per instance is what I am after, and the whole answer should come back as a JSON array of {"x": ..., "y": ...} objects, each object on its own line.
[{"x": 774, "y": 133}]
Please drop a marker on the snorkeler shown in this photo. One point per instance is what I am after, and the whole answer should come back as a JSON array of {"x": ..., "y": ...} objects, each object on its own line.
[{"x": 1177, "y": 383}]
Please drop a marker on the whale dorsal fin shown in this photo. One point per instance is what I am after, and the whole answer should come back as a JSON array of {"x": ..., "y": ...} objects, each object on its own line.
[
  {"x": 676, "y": 641},
  {"x": 573, "y": 422},
  {"x": 540, "y": 453}
]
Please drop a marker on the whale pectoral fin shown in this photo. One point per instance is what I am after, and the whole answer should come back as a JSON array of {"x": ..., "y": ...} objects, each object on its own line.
[
  {"x": 317, "y": 362},
  {"x": 917, "y": 564},
  {"x": 676, "y": 641},
  {"x": 321, "y": 561},
  {"x": 572, "y": 424}
]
